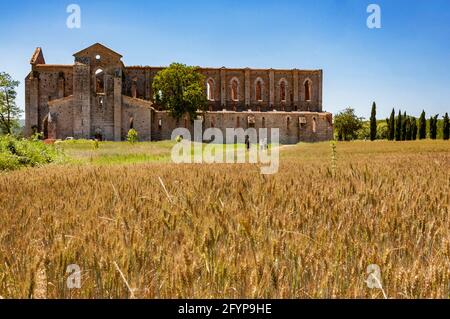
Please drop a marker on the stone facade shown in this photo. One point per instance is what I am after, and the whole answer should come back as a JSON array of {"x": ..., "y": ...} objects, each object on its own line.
[{"x": 98, "y": 96}]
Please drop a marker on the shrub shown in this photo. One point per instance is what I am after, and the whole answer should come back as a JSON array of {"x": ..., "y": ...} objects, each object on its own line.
[
  {"x": 15, "y": 153},
  {"x": 383, "y": 131},
  {"x": 132, "y": 136}
]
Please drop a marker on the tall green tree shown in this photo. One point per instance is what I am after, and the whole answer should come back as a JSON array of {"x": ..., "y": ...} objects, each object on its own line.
[
  {"x": 9, "y": 111},
  {"x": 180, "y": 90},
  {"x": 407, "y": 129},
  {"x": 347, "y": 124},
  {"x": 433, "y": 127},
  {"x": 422, "y": 126},
  {"x": 413, "y": 128},
  {"x": 392, "y": 126},
  {"x": 373, "y": 122},
  {"x": 446, "y": 127},
  {"x": 398, "y": 127},
  {"x": 404, "y": 133}
]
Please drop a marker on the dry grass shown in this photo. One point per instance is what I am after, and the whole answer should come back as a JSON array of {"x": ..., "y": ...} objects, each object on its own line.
[{"x": 227, "y": 231}]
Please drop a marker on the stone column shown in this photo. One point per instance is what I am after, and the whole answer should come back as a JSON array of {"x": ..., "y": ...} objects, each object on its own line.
[
  {"x": 82, "y": 99},
  {"x": 33, "y": 109},
  {"x": 271, "y": 89},
  {"x": 247, "y": 87},
  {"x": 148, "y": 85},
  {"x": 223, "y": 88},
  {"x": 295, "y": 87},
  {"x": 61, "y": 85},
  {"x": 118, "y": 107},
  {"x": 134, "y": 88},
  {"x": 320, "y": 90}
]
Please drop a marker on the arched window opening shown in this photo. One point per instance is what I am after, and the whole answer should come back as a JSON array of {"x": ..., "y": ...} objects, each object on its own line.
[
  {"x": 283, "y": 91},
  {"x": 263, "y": 124},
  {"x": 235, "y": 90},
  {"x": 99, "y": 81},
  {"x": 131, "y": 123},
  {"x": 314, "y": 125},
  {"x": 100, "y": 101},
  {"x": 259, "y": 88},
  {"x": 159, "y": 124},
  {"x": 210, "y": 90},
  {"x": 288, "y": 122},
  {"x": 307, "y": 90},
  {"x": 237, "y": 121}
]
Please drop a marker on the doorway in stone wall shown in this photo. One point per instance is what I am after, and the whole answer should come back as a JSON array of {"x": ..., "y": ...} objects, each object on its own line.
[{"x": 45, "y": 128}]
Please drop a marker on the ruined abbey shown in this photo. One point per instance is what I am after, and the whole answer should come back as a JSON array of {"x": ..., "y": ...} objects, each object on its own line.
[{"x": 99, "y": 97}]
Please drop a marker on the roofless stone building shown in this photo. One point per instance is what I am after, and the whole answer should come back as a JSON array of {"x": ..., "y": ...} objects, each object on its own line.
[{"x": 98, "y": 96}]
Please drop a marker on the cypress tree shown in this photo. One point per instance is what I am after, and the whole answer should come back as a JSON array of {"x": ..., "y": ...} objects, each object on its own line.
[
  {"x": 435, "y": 122},
  {"x": 413, "y": 128},
  {"x": 373, "y": 122},
  {"x": 422, "y": 126},
  {"x": 433, "y": 127},
  {"x": 404, "y": 127},
  {"x": 407, "y": 129},
  {"x": 446, "y": 127},
  {"x": 392, "y": 126},
  {"x": 398, "y": 127}
]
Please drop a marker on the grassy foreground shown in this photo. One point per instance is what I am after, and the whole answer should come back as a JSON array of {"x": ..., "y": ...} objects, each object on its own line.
[{"x": 203, "y": 231}]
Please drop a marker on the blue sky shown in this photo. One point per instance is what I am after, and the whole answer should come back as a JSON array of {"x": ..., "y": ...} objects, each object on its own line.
[{"x": 405, "y": 64}]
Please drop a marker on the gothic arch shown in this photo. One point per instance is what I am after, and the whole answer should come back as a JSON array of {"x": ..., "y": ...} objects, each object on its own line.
[
  {"x": 308, "y": 89},
  {"x": 234, "y": 89},
  {"x": 210, "y": 89},
  {"x": 259, "y": 89},
  {"x": 99, "y": 80},
  {"x": 283, "y": 89}
]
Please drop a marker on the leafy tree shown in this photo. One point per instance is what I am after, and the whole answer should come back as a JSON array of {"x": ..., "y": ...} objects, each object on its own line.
[
  {"x": 422, "y": 126},
  {"x": 9, "y": 111},
  {"x": 383, "y": 131},
  {"x": 398, "y": 127},
  {"x": 180, "y": 90},
  {"x": 373, "y": 122},
  {"x": 413, "y": 128},
  {"x": 347, "y": 124},
  {"x": 364, "y": 132},
  {"x": 446, "y": 128},
  {"x": 392, "y": 126}
]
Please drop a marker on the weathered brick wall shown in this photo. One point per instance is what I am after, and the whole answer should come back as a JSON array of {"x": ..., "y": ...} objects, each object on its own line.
[
  {"x": 222, "y": 77},
  {"x": 62, "y": 111},
  {"x": 138, "y": 114},
  {"x": 290, "y": 129}
]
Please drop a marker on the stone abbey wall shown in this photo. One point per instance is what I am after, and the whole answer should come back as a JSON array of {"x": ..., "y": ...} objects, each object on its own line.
[{"x": 98, "y": 96}]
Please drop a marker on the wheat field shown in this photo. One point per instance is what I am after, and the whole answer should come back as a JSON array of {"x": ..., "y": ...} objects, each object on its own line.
[{"x": 161, "y": 230}]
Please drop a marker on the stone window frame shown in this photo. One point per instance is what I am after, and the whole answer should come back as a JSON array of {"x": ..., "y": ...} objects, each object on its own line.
[
  {"x": 211, "y": 94},
  {"x": 310, "y": 87},
  {"x": 314, "y": 124},
  {"x": 286, "y": 90},
  {"x": 95, "y": 80},
  {"x": 238, "y": 93},
  {"x": 260, "y": 80}
]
